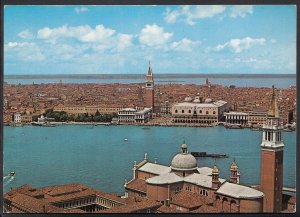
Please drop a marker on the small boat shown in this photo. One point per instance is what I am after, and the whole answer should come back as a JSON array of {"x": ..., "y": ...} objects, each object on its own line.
[
  {"x": 12, "y": 173},
  {"x": 125, "y": 139},
  {"x": 146, "y": 128}
]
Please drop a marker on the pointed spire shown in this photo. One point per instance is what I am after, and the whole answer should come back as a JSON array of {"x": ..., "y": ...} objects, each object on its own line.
[
  {"x": 273, "y": 108},
  {"x": 234, "y": 165},
  {"x": 215, "y": 169},
  {"x": 149, "y": 69}
]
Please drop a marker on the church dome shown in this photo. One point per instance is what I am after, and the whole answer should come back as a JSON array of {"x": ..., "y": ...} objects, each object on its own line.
[
  {"x": 197, "y": 99},
  {"x": 208, "y": 100},
  {"x": 184, "y": 161},
  {"x": 188, "y": 99}
]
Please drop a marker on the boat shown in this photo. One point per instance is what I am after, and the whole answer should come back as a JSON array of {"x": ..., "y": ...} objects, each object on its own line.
[
  {"x": 146, "y": 128},
  {"x": 12, "y": 173},
  {"x": 125, "y": 139},
  {"x": 204, "y": 154}
]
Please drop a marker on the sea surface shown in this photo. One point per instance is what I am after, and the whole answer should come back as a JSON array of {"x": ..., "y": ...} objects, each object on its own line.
[
  {"x": 100, "y": 158},
  {"x": 267, "y": 81}
]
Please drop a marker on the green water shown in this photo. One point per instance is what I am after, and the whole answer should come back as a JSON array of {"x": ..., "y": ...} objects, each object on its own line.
[{"x": 100, "y": 158}]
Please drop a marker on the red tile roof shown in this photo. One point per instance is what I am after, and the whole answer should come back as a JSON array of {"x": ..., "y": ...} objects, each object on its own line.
[
  {"x": 134, "y": 206},
  {"x": 138, "y": 184},
  {"x": 190, "y": 200}
]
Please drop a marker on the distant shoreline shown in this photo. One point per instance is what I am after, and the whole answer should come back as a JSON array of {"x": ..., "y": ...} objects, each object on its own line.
[{"x": 142, "y": 76}]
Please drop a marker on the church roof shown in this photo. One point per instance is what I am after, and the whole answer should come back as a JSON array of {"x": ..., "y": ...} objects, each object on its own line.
[
  {"x": 205, "y": 170},
  {"x": 239, "y": 191},
  {"x": 201, "y": 180},
  {"x": 167, "y": 178},
  {"x": 154, "y": 168}
]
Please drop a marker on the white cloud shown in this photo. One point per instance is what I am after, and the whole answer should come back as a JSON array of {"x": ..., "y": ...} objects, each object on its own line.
[
  {"x": 241, "y": 10},
  {"x": 184, "y": 45},
  {"x": 79, "y": 10},
  {"x": 190, "y": 14},
  {"x": 82, "y": 33},
  {"x": 239, "y": 45},
  {"x": 124, "y": 41},
  {"x": 153, "y": 35},
  {"x": 171, "y": 16},
  {"x": 26, "y": 34},
  {"x": 25, "y": 51}
]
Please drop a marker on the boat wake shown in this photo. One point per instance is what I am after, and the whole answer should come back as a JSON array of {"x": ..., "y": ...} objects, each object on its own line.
[{"x": 9, "y": 180}]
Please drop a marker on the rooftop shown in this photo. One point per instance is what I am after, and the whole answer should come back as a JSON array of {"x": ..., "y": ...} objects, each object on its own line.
[
  {"x": 239, "y": 191},
  {"x": 153, "y": 168}
]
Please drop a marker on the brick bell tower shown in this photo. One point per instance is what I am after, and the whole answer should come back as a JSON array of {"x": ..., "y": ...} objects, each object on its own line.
[
  {"x": 149, "y": 99},
  {"x": 271, "y": 177}
]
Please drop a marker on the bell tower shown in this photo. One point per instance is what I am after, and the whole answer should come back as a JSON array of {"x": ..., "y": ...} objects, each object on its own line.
[
  {"x": 149, "y": 98},
  {"x": 271, "y": 177},
  {"x": 234, "y": 173}
]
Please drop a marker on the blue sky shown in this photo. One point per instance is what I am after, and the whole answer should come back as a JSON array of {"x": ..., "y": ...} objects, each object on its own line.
[{"x": 176, "y": 39}]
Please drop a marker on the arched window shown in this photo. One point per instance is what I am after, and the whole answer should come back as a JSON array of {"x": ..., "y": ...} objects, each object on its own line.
[
  {"x": 188, "y": 188},
  {"x": 195, "y": 112},
  {"x": 182, "y": 111},
  {"x": 200, "y": 111},
  {"x": 214, "y": 112},
  {"x": 207, "y": 112},
  {"x": 176, "y": 111}
]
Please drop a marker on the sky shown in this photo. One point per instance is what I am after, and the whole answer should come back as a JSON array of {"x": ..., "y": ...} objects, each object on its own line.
[{"x": 207, "y": 39}]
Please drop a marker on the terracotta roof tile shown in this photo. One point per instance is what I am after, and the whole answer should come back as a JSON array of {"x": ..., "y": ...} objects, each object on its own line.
[
  {"x": 168, "y": 209},
  {"x": 138, "y": 184},
  {"x": 189, "y": 200},
  {"x": 134, "y": 206},
  {"x": 207, "y": 209}
]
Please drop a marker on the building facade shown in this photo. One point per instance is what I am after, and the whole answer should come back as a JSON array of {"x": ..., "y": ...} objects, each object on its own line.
[
  {"x": 86, "y": 109},
  {"x": 195, "y": 111},
  {"x": 257, "y": 118},
  {"x": 236, "y": 118},
  {"x": 131, "y": 115}
]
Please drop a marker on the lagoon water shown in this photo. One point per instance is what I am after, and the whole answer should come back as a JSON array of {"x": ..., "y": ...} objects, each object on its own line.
[
  {"x": 239, "y": 82},
  {"x": 100, "y": 158}
]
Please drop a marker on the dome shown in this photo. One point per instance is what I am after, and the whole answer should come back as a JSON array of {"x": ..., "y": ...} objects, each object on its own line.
[
  {"x": 188, "y": 99},
  {"x": 215, "y": 170},
  {"x": 184, "y": 161},
  {"x": 208, "y": 100}
]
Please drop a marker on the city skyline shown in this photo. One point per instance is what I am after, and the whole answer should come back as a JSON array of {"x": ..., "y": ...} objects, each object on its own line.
[{"x": 176, "y": 39}]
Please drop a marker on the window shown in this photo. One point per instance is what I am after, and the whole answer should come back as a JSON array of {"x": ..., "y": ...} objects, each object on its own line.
[
  {"x": 200, "y": 111},
  {"x": 176, "y": 111},
  {"x": 207, "y": 112},
  {"x": 195, "y": 112},
  {"x": 214, "y": 112},
  {"x": 178, "y": 189},
  {"x": 188, "y": 188},
  {"x": 190, "y": 111},
  {"x": 148, "y": 211},
  {"x": 182, "y": 111}
]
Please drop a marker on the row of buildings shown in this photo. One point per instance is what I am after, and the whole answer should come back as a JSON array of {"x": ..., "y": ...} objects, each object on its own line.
[{"x": 179, "y": 188}]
